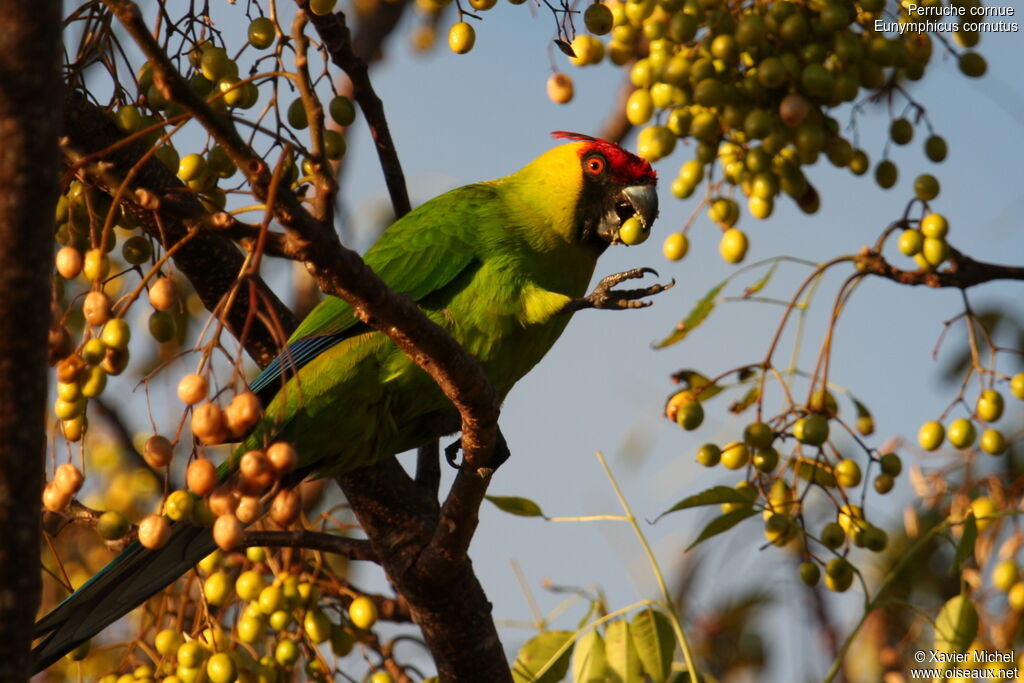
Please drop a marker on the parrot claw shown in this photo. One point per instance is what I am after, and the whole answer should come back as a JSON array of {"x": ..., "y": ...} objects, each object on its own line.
[
  {"x": 499, "y": 455},
  {"x": 607, "y": 298}
]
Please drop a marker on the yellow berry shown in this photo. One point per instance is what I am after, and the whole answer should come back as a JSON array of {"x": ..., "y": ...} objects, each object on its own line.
[
  {"x": 676, "y": 245},
  {"x": 461, "y": 37},
  {"x": 733, "y": 246}
]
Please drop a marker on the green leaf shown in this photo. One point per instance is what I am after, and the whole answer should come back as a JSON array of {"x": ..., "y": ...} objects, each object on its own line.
[
  {"x": 716, "y": 495},
  {"x": 862, "y": 410},
  {"x": 723, "y": 523},
  {"x": 748, "y": 399},
  {"x": 621, "y": 656},
  {"x": 588, "y": 659},
  {"x": 655, "y": 643},
  {"x": 537, "y": 653},
  {"x": 957, "y": 625},
  {"x": 700, "y": 311},
  {"x": 760, "y": 284},
  {"x": 514, "y": 505},
  {"x": 966, "y": 545},
  {"x": 701, "y": 386}
]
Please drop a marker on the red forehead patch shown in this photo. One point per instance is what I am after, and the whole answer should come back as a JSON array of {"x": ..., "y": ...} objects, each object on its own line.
[{"x": 625, "y": 166}]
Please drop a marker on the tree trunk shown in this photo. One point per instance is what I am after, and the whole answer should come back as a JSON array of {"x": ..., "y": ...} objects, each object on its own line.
[
  {"x": 446, "y": 600},
  {"x": 30, "y": 98}
]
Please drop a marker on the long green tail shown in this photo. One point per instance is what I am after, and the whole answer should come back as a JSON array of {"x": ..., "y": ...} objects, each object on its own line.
[{"x": 130, "y": 579}]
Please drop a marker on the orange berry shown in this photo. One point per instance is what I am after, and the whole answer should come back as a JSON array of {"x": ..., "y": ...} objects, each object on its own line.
[{"x": 201, "y": 476}]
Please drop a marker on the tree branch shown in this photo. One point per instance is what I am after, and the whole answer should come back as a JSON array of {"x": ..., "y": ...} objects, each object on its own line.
[
  {"x": 30, "y": 109},
  {"x": 340, "y": 271},
  {"x": 209, "y": 261},
  {"x": 337, "y": 38},
  {"x": 963, "y": 271},
  {"x": 352, "y": 548}
]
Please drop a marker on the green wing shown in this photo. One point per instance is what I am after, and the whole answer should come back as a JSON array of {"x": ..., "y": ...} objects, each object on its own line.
[{"x": 417, "y": 255}]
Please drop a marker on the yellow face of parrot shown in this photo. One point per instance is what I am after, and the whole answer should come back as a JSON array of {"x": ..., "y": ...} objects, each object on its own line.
[{"x": 603, "y": 194}]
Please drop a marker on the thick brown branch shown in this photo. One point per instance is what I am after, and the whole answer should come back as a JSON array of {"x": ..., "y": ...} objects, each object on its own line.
[
  {"x": 351, "y": 548},
  {"x": 963, "y": 271},
  {"x": 209, "y": 261},
  {"x": 340, "y": 271},
  {"x": 30, "y": 51},
  {"x": 400, "y": 518},
  {"x": 337, "y": 38}
]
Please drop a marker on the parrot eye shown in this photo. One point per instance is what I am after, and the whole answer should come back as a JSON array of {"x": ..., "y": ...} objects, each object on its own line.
[{"x": 595, "y": 165}]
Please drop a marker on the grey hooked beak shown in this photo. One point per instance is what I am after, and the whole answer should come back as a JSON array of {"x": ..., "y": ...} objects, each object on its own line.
[
  {"x": 639, "y": 201},
  {"x": 644, "y": 201}
]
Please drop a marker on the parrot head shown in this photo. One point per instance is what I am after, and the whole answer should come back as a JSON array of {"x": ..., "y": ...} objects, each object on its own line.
[{"x": 617, "y": 186}]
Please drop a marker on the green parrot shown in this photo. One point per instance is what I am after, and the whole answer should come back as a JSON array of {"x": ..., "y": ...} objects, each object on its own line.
[{"x": 501, "y": 265}]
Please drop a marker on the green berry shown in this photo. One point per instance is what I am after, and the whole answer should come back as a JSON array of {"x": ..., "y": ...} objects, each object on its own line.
[
  {"x": 901, "y": 131},
  {"x": 342, "y": 110},
  {"x": 261, "y": 33},
  {"x": 270, "y": 599},
  {"x": 297, "y": 115},
  {"x": 886, "y": 174},
  {"x": 598, "y": 19},
  {"x": 111, "y": 525},
  {"x": 709, "y": 455},
  {"x": 765, "y": 459},
  {"x": 779, "y": 529},
  {"x": 875, "y": 539},
  {"x": 926, "y": 187},
  {"x": 810, "y": 573},
  {"x": 892, "y": 464},
  {"x": 811, "y": 430},
  {"x": 758, "y": 435},
  {"x": 136, "y": 250},
  {"x": 832, "y": 535},
  {"x": 690, "y": 415},
  {"x": 935, "y": 148},
  {"x": 838, "y": 575}
]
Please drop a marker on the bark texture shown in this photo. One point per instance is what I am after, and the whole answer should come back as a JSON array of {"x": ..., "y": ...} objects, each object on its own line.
[{"x": 30, "y": 100}]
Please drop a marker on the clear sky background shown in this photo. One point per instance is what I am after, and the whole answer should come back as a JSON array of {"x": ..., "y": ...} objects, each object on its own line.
[{"x": 460, "y": 119}]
